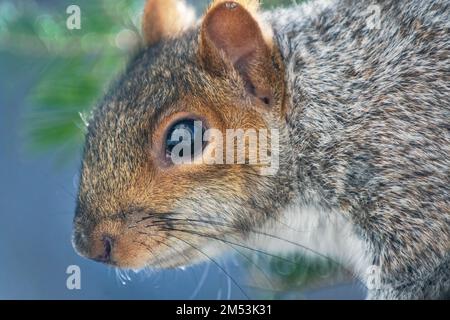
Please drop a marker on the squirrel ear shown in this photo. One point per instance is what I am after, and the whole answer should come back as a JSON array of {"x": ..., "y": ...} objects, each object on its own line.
[
  {"x": 232, "y": 35},
  {"x": 165, "y": 19}
]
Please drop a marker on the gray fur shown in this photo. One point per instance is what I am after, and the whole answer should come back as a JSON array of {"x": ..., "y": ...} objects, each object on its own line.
[{"x": 370, "y": 126}]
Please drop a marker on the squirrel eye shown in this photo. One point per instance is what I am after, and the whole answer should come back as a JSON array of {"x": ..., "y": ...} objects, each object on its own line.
[{"x": 185, "y": 136}]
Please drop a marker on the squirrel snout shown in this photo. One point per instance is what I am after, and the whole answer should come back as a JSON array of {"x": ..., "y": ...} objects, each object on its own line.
[
  {"x": 101, "y": 250},
  {"x": 96, "y": 248},
  {"x": 112, "y": 243}
]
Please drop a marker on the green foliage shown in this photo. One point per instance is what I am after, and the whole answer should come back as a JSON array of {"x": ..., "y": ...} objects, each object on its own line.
[
  {"x": 76, "y": 64},
  {"x": 279, "y": 3},
  {"x": 286, "y": 276}
]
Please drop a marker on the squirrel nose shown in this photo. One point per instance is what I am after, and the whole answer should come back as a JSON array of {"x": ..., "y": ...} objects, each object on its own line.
[{"x": 102, "y": 250}]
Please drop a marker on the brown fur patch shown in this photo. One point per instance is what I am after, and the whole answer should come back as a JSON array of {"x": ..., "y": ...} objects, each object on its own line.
[
  {"x": 232, "y": 35},
  {"x": 165, "y": 19},
  {"x": 252, "y": 6}
]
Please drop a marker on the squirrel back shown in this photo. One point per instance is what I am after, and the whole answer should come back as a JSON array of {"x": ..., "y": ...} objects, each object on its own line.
[{"x": 371, "y": 113}]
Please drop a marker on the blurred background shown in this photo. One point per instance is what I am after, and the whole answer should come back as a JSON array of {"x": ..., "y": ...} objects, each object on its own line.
[{"x": 50, "y": 77}]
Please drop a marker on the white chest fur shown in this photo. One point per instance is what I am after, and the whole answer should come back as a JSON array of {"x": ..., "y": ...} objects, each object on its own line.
[{"x": 315, "y": 231}]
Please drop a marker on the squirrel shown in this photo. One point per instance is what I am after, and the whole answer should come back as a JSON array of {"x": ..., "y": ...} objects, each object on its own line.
[{"x": 359, "y": 95}]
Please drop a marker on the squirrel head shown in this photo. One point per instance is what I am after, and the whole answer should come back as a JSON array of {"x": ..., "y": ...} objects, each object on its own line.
[{"x": 217, "y": 78}]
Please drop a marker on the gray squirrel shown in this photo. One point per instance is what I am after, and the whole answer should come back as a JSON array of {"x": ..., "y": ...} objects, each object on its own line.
[{"x": 359, "y": 95}]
